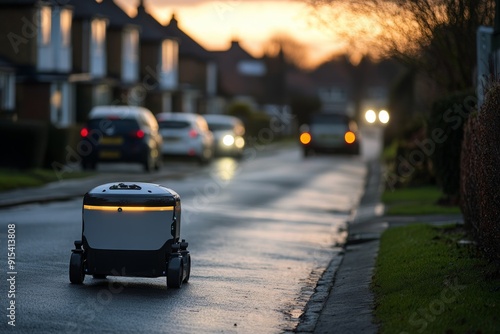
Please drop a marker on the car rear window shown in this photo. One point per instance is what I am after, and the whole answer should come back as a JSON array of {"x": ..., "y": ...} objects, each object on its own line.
[
  {"x": 329, "y": 119},
  {"x": 114, "y": 126},
  {"x": 219, "y": 126},
  {"x": 173, "y": 124}
]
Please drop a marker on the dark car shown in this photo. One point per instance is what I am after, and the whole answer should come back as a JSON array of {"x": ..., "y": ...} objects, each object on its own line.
[
  {"x": 121, "y": 134},
  {"x": 330, "y": 133}
]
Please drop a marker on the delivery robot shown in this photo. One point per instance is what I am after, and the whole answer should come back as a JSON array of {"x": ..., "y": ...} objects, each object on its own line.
[{"x": 131, "y": 229}]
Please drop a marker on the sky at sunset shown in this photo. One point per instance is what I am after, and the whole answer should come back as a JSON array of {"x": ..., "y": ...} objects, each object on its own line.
[{"x": 214, "y": 24}]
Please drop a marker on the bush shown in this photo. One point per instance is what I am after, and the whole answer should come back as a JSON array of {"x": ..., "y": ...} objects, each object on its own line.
[
  {"x": 59, "y": 143},
  {"x": 444, "y": 140},
  {"x": 468, "y": 184},
  {"x": 410, "y": 166},
  {"x": 254, "y": 121},
  {"x": 24, "y": 144}
]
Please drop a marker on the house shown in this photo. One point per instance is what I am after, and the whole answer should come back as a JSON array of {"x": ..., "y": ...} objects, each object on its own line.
[
  {"x": 105, "y": 57},
  {"x": 35, "y": 38},
  {"x": 159, "y": 62},
  {"x": 197, "y": 74},
  {"x": 122, "y": 51},
  {"x": 335, "y": 85},
  {"x": 89, "y": 35},
  {"x": 241, "y": 76}
]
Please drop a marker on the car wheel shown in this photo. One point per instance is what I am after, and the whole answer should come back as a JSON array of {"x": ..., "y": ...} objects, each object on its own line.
[
  {"x": 174, "y": 272},
  {"x": 187, "y": 268},
  {"x": 149, "y": 164},
  {"x": 76, "y": 273}
]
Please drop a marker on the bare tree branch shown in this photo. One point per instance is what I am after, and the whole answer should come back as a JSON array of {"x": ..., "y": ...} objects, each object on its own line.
[{"x": 438, "y": 37}]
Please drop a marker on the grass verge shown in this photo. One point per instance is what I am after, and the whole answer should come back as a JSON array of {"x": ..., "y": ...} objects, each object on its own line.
[
  {"x": 425, "y": 282},
  {"x": 416, "y": 201},
  {"x": 13, "y": 179}
]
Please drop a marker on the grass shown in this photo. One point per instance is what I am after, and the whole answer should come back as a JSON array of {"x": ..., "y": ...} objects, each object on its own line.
[
  {"x": 425, "y": 282},
  {"x": 13, "y": 179},
  {"x": 416, "y": 201}
]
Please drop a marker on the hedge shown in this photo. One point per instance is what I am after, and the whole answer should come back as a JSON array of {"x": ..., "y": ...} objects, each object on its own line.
[
  {"x": 24, "y": 144},
  {"x": 444, "y": 139},
  {"x": 481, "y": 175}
]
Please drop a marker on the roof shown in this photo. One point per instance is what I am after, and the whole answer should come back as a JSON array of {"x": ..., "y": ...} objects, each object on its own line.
[
  {"x": 187, "y": 45},
  {"x": 117, "y": 16},
  {"x": 18, "y": 2},
  {"x": 152, "y": 30},
  {"x": 33, "y": 2},
  {"x": 120, "y": 111},
  {"x": 85, "y": 9},
  {"x": 232, "y": 81}
]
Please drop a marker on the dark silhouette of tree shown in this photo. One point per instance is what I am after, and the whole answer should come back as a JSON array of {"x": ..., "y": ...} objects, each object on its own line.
[
  {"x": 437, "y": 37},
  {"x": 294, "y": 52}
]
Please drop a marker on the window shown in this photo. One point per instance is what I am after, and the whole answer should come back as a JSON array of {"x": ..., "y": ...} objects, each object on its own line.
[
  {"x": 7, "y": 91},
  {"x": 130, "y": 55},
  {"x": 66, "y": 18},
  {"x": 169, "y": 55},
  {"x": 98, "y": 36},
  {"x": 98, "y": 48},
  {"x": 45, "y": 25}
]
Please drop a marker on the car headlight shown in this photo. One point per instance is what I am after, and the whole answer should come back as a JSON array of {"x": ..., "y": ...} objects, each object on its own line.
[
  {"x": 239, "y": 142},
  {"x": 228, "y": 140},
  {"x": 370, "y": 116},
  {"x": 383, "y": 116}
]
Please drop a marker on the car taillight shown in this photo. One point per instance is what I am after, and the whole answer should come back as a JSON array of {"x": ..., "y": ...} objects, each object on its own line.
[
  {"x": 139, "y": 134},
  {"x": 193, "y": 133},
  {"x": 84, "y": 132},
  {"x": 349, "y": 137},
  {"x": 305, "y": 138}
]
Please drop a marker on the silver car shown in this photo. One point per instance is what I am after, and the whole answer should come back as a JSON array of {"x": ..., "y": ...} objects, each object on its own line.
[
  {"x": 228, "y": 133},
  {"x": 186, "y": 135}
]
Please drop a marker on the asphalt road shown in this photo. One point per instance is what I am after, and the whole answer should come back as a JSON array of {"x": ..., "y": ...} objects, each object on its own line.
[{"x": 261, "y": 232}]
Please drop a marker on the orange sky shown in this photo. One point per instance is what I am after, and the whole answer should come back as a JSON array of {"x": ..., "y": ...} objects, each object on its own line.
[{"x": 215, "y": 23}]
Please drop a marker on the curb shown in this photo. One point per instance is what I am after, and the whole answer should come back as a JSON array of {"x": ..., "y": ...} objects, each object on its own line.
[{"x": 324, "y": 314}]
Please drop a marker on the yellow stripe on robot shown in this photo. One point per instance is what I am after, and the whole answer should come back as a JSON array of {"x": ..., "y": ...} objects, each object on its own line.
[{"x": 128, "y": 208}]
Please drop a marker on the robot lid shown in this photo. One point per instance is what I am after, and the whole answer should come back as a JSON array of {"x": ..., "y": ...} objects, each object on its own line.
[{"x": 131, "y": 194}]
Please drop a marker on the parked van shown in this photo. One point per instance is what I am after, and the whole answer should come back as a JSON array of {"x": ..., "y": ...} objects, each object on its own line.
[{"x": 121, "y": 134}]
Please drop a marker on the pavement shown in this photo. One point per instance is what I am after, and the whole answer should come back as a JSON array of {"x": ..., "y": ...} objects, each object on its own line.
[{"x": 342, "y": 301}]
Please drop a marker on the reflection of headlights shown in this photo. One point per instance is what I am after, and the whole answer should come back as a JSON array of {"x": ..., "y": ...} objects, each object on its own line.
[
  {"x": 228, "y": 140},
  {"x": 370, "y": 116},
  {"x": 239, "y": 142}
]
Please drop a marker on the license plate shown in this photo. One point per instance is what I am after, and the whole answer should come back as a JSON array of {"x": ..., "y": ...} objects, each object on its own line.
[
  {"x": 171, "y": 139},
  {"x": 330, "y": 136},
  {"x": 109, "y": 154},
  {"x": 111, "y": 141}
]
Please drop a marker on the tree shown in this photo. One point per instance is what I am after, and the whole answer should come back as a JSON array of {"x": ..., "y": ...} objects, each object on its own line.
[
  {"x": 437, "y": 37},
  {"x": 294, "y": 52}
]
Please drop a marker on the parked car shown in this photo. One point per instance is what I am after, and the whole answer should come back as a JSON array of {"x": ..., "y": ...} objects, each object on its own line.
[
  {"x": 121, "y": 134},
  {"x": 330, "y": 133},
  {"x": 186, "y": 135},
  {"x": 228, "y": 134}
]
